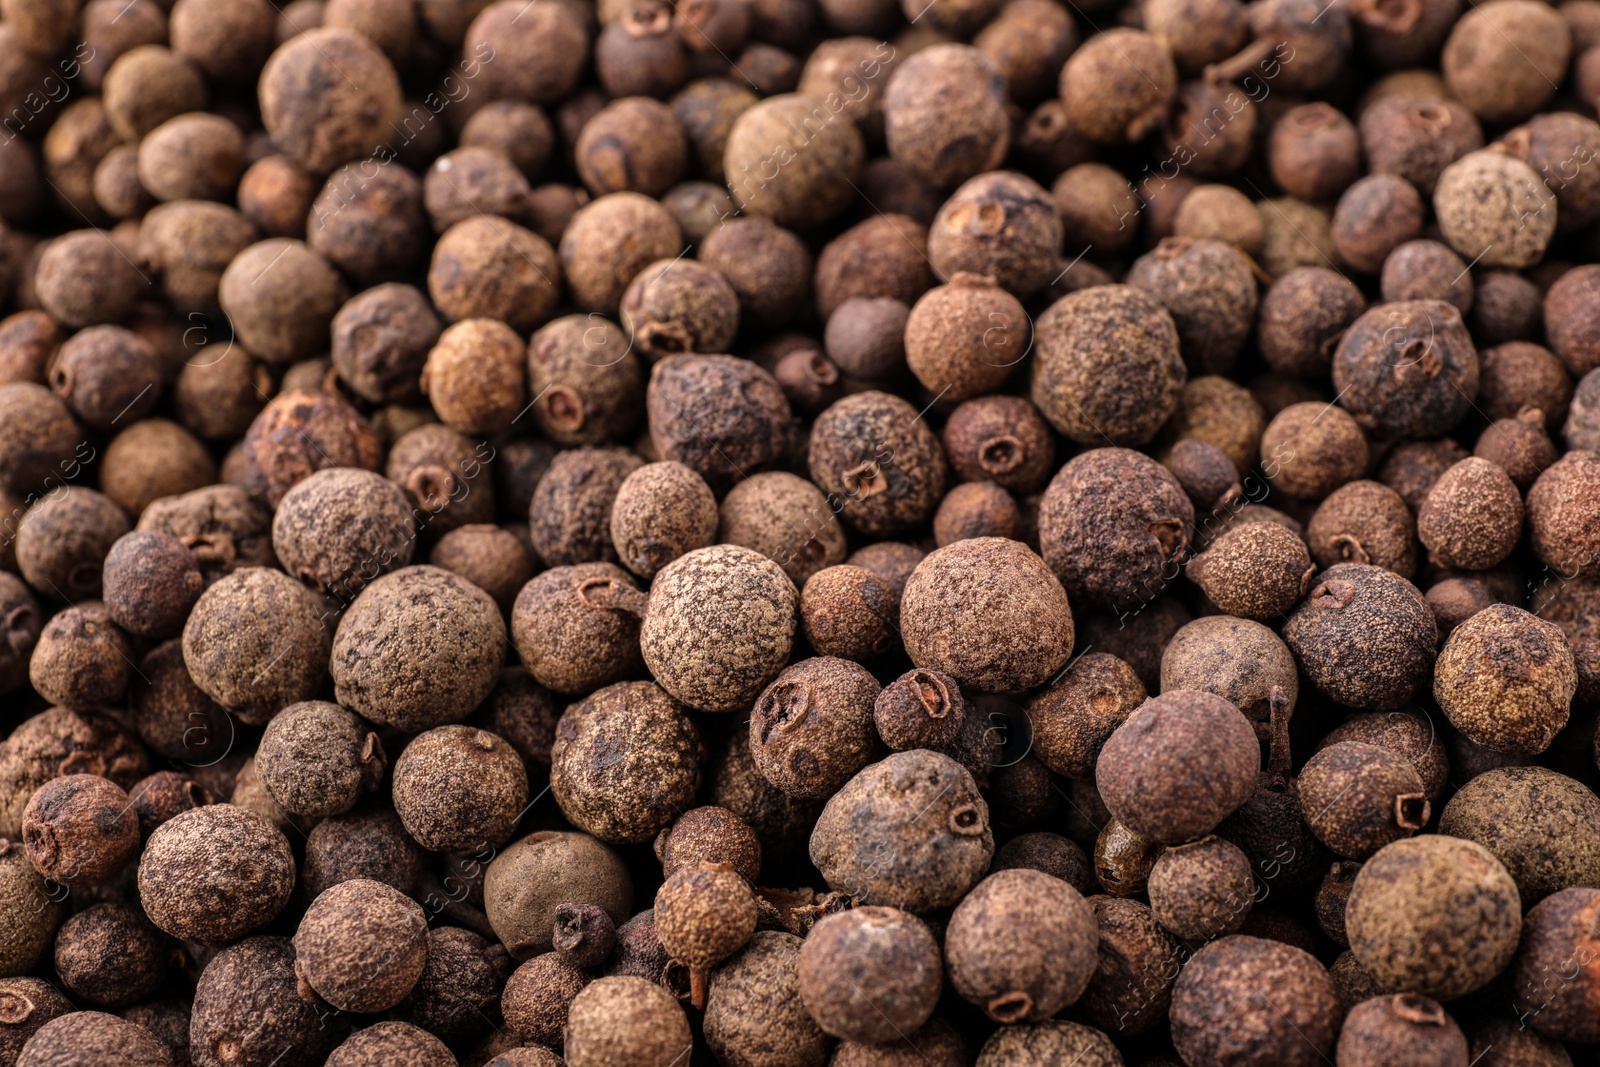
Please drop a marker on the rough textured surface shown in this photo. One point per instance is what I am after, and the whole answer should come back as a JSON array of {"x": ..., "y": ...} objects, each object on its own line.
[
  {"x": 1408, "y": 733},
  {"x": 1309, "y": 449},
  {"x": 1407, "y": 369},
  {"x": 1203, "y": 889},
  {"x": 1052, "y": 1041},
  {"x": 298, "y": 434},
  {"x": 57, "y": 742},
  {"x": 576, "y": 628},
  {"x": 569, "y": 520},
  {"x": 1406, "y": 1029},
  {"x": 719, "y": 626},
  {"x": 1237, "y": 659},
  {"x": 80, "y": 829},
  {"x": 1258, "y": 570},
  {"x": 318, "y": 759},
  {"x": 754, "y": 1014},
  {"x": 661, "y": 511},
  {"x": 460, "y": 789},
  {"x": 537, "y": 997},
  {"x": 1352, "y": 612},
  {"x": 1561, "y": 509},
  {"x": 1245, "y": 1000},
  {"x": 531, "y": 878},
  {"x": 812, "y": 728},
  {"x": 1434, "y": 915},
  {"x": 392, "y": 1044},
  {"x": 420, "y": 647},
  {"x": 1021, "y": 945},
  {"x": 1131, "y": 988},
  {"x": 1472, "y": 518},
  {"x": 785, "y": 518},
  {"x": 1074, "y": 716},
  {"x": 625, "y": 1022},
  {"x": 361, "y": 946},
  {"x": 626, "y": 761},
  {"x": 1365, "y": 522},
  {"x": 1506, "y": 679},
  {"x": 1557, "y": 976},
  {"x": 1358, "y": 797},
  {"x": 722, "y": 417},
  {"x": 910, "y": 831},
  {"x": 987, "y": 612},
  {"x": 93, "y": 1039},
  {"x": 872, "y": 974},
  {"x": 26, "y": 1004},
  {"x": 881, "y": 465},
  {"x": 214, "y": 874},
  {"x": 1543, "y": 826},
  {"x": 31, "y": 907}
]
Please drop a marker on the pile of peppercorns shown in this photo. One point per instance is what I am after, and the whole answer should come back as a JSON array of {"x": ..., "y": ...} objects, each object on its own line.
[{"x": 799, "y": 533}]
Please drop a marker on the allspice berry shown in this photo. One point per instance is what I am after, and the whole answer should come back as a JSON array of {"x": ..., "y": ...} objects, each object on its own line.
[
  {"x": 1501, "y": 58},
  {"x": 94, "y": 1039},
  {"x": 1021, "y": 945},
  {"x": 1247, "y": 1000},
  {"x": 361, "y": 946},
  {"x": 342, "y": 527},
  {"x": 1556, "y": 976},
  {"x": 709, "y": 834},
  {"x": 1435, "y": 915},
  {"x": 300, "y": 433},
  {"x": 533, "y": 877},
  {"x": 989, "y": 613},
  {"x": 215, "y": 874},
  {"x": 704, "y": 914},
  {"x": 584, "y": 935},
  {"x": 963, "y": 339},
  {"x": 1000, "y": 225},
  {"x": 1492, "y": 205},
  {"x": 1353, "y": 610},
  {"x": 1051, "y": 1041},
  {"x": 944, "y": 114},
  {"x": 848, "y": 612},
  {"x": 151, "y": 581},
  {"x": 1358, "y": 797},
  {"x": 1408, "y": 1028},
  {"x": 1302, "y": 317},
  {"x": 1107, "y": 368},
  {"x": 1472, "y": 518},
  {"x": 1257, "y": 570},
  {"x": 719, "y": 626},
  {"x": 1560, "y": 514},
  {"x": 576, "y": 628},
  {"x": 625, "y": 762},
  {"x": 910, "y": 831},
  {"x": 625, "y": 1022},
  {"x": 1179, "y": 765},
  {"x": 1407, "y": 369},
  {"x": 1203, "y": 889},
  {"x": 1543, "y": 826},
  {"x": 1209, "y": 290},
  {"x": 871, "y": 974},
  {"x": 569, "y": 518},
  {"x": 1001, "y": 439},
  {"x": 920, "y": 709},
  {"x": 812, "y": 729},
  {"x": 753, "y": 1005},
  {"x": 318, "y": 759},
  {"x": 1118, "y": 85},
  {"x": 474, "y": 377},
  {"x": 722, "y": 417},
  {"x": 320, "y": 117},
  {"x": 1506, "y": 679},
  {"x": 791, "y": 159},
  {"x": 82, "y": 659},
  {"x": 785, "y": 518},
  {"x": 1364, "y": 522},
  {"x": 1074, "y": 716},
  {"x": 27, "y": 1003},
  {"x": 391, "y": 1043},
  {"x": 459, "y": 789},
  {"x": 881, "y": 462},
  {"x": 585, "y": 380},
  {"x": 80, "y": 829}
]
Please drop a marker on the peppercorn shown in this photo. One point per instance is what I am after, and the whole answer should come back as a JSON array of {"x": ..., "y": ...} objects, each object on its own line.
[
  {"x": 584, "y": 935},
  {"x": 1202, "y": 890},
  {"x": 537, "y": 997},
  {"x": 1314, "y": 152},
  {"x": 341, "y": 527},
  {"x": 1560, "y": 523},
  {"x": 1555, "y": 977},
  {"x": 1351, "y": 599},
  {"x": 1503, "y": 1041},
  {"x": 256, "y": 642},
  {"x": 172, "y": 716},
  {"x": 151, "y": 582},
  {"x": 1219, "y": 412},
  {"x": 246, "y": 1004},
  {"x": 1472, "y": 517},
  {"x": 1294, "y": 234},
  {"x": 721, "y": 416},
  {"x": 487, "y": 267},
  {"x": 368, "y": 220},
  {"x": 1426, "y": 270},
  {"x": 26, "y": 1004},
  {"x": 1220, "y": 213},
  {"x": 1123, "y": 859},
  {"x": 1107, "y": 368},
  {"x": 920, "y": 709},
  {"x": 392, "y": 1043},
  {"x": 79, "y": 830},
  {"x": 1247, "y": 1000},
  {"x": 109, "y": 954},
  {"x": 1539, "y": 824},
  {"x": 963, "y": 339},
  {"x": 156, "y": 799},
  {"x": 1210, "y": 147},
  {"x": 848, "y": 612},
  {"x": 1358, "y": 797},
  {"x": 573, "y": 627},
  {"x": 470, "y": 181},
  {"x": 1001, "y": 439},
  {"x": 318, "y": 118},
  {"x": 704, "y": 914},
  {"x": 489, "y": 557},
  {"x": 1581, "y": 431},
  {"x": 1433, "y": 914},
  {"x": 1414, "y": 466},
  {"x": 1128, "y": 66},
  {"x": 1406, "y": 733},
  {"x": 677, "y": 306},
  {"x": 866, "y": 337},
  {"x": 1255, "y": 569},
  {"x": 516, "y": 129},
  {"x": 1123, "y": 565},
  {"x": 1507, "y": 307},
  {"x": 870, "y": 975},
  {"x": 885, "y": 256},
  {"x": 1002, "y": 226},
  {"x": 1400, "y": 1029},
  {"x": 780, "y": 821},
  {"x": 318, "y": 759},
  {"x": 361, "y": 946},
  {"x": 222, "y": 525},
  {"x": 417, "y": 622},
  {"x": 22, "y": 618},
  {"x": 1207, "y": 288},
  {"x": 754, "y": 1010},
  {"x": 1506, "y": 679},
  {"x": 1455, "y": 600},
  {"x": 214, "y": 874},
  {"x": 367, "y": 843},
  {"x": 82, "y": 660},
  {"x": 708, "y": 835},
  {"x": 539, "y": 56},
  {"x": 1500, "y": 61},
  {"x": 768, "y": 267},
  {"x": 944, "y": 114},
  {"x": 640, "y": 53},
  {"x": 910, "y": 831},
  {"x": 812, "y": 729},
  {"x": 1131, "y": 988},
  {"x": 633, "y": 144},
  {"x": 1407, "y": 369},
  {"x": 1073, "y": 717},
  {"x": 57, "y": 742},
  {"x": 1374, "y": 216},
  {"x": 1364, "y": 522},
  {"x": 813, "y": 158},
  {"x": 94, "y": 1039}
]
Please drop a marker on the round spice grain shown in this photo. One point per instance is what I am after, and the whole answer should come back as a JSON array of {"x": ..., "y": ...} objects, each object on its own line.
[
  {"x": 94, "y": 1039},
  {"x": 318, "y": 759},
  {"x": 215, "y": 874},
  {"x": 577, "y": 628},
  {"x": 361, "y": 946},
  {"x": 459, "y": 789},
  {"x": 944, "y": 114},
  {"x": 625, "y": 1022},
  {"x": 722, "y": 417},
  {"x": 1333, "y": 631},
  {"x": 812, "y": 729},
  {"x": 1257, "y": 570},
  {"x": 1246, "y": 1000},
  {"x": 1541, "y": 825},
  {"x": 880, "y": 461},
  {"x": 848, "y": 612},
  {"x": 1506, "y": 679},
  {"x": 533, "y": 877},
  {"x": 753, "y": 1002},
  {"x": 80, "y": 829}
]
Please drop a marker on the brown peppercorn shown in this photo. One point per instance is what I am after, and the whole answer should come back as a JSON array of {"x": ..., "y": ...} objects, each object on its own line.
[
  {"x": 768, "y": 267},
  {"x": 721, "y": 416},
  {"x": 584, "y": 935},
  {"x": 1078, "y": 712},
  {"x": 531, "y": 878},
  {"x": 151, "y": 581},
  {"x": 1026, "y": 633},
  {"x": 147, "y": 85},
  {"x": 1179, "y": 765},
  {"x": 633, "y": 144},
  {"x": 32, "y": 908},
  {"x": 84, "y": 278},
  {"x": 1506, "y": 679},
  {"x": 865, "y": 337},
  {"x": 910, "y": 831},
  {"x": 1314, "y": 152},
  {"x": 518, "y": 130},
  {"x": 1426, "y": 270},
  {"x": 491, "y": 558},
  {"x": 1414, "y": 466},
  {"x": 276, "y": 193},
  {"x": 64, "y": 538},
  {"x": 1129, "y": 67},
  {"x": 944, "y": 114},
  {"x": 1303, "y": 315},
  {"x": 577, "y": 628},
  {"x": 472, "y": 181},
  {"x": 318, "y": 759},
  {"x": 1364, "y": 522},
  {"x": 537, "y": 997},
  {"x": 1504, "y": 1042},
  {"x": 361, "y": 946},
  {"x": 57, "y": 742},
  {"x": 886, "y": 256},
  {"x": 318, "y": 118},
  {"x": 1375, "y": 216},
  {"x": 1053, "y": 854},
  {"x": 963, "y": 339},
  {"x": 641, "y": 53},
  {"x": 538, "y": 56},
  {"x": 812, "y": 728},
  {"x": 699, "y": 207},
  {"x": 1021, "y": 945},
  {"x": 704, "y": 914},
  {"x": 1002, "y": 226},
  {"x": 26, "y": 1004},
  {"x": 1433, "y": 914},
  {"x": 1560, "y": 510},
  {"x": 871, "y": 974},
  {"x": 1220, "y": 213},
  {"x": 1555, "y": 976},
  {"x": 1541, "y": 825},
  {"x": 1335, "y": 630},
  {"x": 1207, "y": 475},
  {"x": 487, "y": 267},
  {"x": 709, "y": 835},
  {"x": 1001, "y": 439},
  {"x": 474, "y": 377},
  {"x": 625, "y": 1022},
  {"x": 417, "y": 622},
  {"x": 222, "y": 525},
  {"x": 585, "y": 380},
  {"x": 1507, "y": 307},
  {"x": 197, "y": 156},
  {"x": 94, "y": 1039},
  {"x": 1194, "y": 134},
  {"x": 1500, "y": 59},
  {"x": 1123, "y": 859},
  {"x": 27, "y": 341},
  {"x": 214, "y": 874},
  {"x": 1472, "y": 517},
  {"x": 1223, "y": 413},
  {"x": 1250, "y": 1000},
  {"x": 110, "y": 955},
  {"x": 791, "y": 158},
  {"x": 1358, "y": 797},
  {"x": 1455, "y": 600},
  {"x": 881, "y": 463},
  {"x": 1124, "y": 565},
  {"x": 848, "y": 612},
  {"x": 20, "y": 622},
  {"x": 679, "y": 306},
  {"x": 392, "y": 1044},
  {"x": 1407, "y": 369},
  {"x": 1520, "y": 446},
  {"x": 569, "y": 520},
  {"x": 367, "y": 843},
  {"x": 151, "y": 459},
  {"x": 625, "y": 762},
  {"x": 280, "y": 296},
  {"x": 257, "y": 642},
  {"x": 1097, "y": 206},
  {"x": 79, "y": 830},
  {"x": 1131, "y": 989},
  {"x": 921, "y": 709},
  {"x": 368, "y": 220},
  {"x": 1493, "y": 206},
  {"x": 1107, "y": 367},
  {"x": 190, "y": 244},
  {"x": 1570, "y": 320},
  {"x": 340, "y": 528},
  {"x": 1309, "y": 449},
  {"x": 754, "y": 1010},
  {"x": 1416, "y": 137},
  {"x": 82, "y": 659},
  {"x": 661, "y": 511},
  {"x": 163, "y": 795},
  {"x": 246, "y": 1004},
  {"x": 1202, "y": 890},
  {"x": 1257, "y": 570},
  {"x": 1331, "y": 897},
  {"x": 106, "y": 374},
  {"x": 1051, "y": 1041},
  {"x": 1407, "y": 733}
]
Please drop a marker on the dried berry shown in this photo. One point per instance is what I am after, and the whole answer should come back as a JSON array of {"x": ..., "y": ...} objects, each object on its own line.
[
  {"x": 767, "y": 266},
  {"x": 1407, "y": 369},
  {"x": 1002, "y": 226},
  {"x": 788, "y": 159},
  {"x": 1021, "y": 945},
  {"x": 1246, "y": 1000},
  {"x": 1257, "y": 570},
  {"x": 1118, "y": 85},
  {"x": 785, "y": 518},
  {"x": 722, "y": 417},
  {"x": 214, "y": 874},
  {"x": 709, "y": 835},
  {"x": 1435, "y": 915},
  {"x": 151, "y": 581},
  {"x": 1520, "y": 446},
  {"x": 361, "y": 946},
  {"x": 1472, "y": 518},
  {"x": 812, "y": 729},
  {"x": 1506, "y": 679},
  {"x": 585, "y": 381},
  {"x": 80, "y": 829},
  {"x": 848, "y": 612},
  {"x": 1358, "y": 797},
  {"x": 537, "y": 997},
  {"x": 1351, "y": 611},
  {"x": 367, "y": 843},
  {"x": 704, "y": 914},
  {"x": 1555, "y": 975},
  {"x": 256, "y": 642},
  {"x": 1560, "y": 512},
  {"x": 1364, "y": 522},
  {"x": 1203, "y": 889},
  {"x": 880, "y": 462},
  {"x": 82, "y": 659},
  {"x": 93, "y": 1039},
  {"x": 569, "y": 520},
  {"x": 391, "y": 1044},
  {"x": 298, "y": 434},
  {"x": 459, "y": 789},
  {"x": 1303, "y": 315},
  {"x": 577, "y": 628},
  {"x": 944, "y": 114},
  {"x": 1541, "y": 825},
  {"x": 109, "y": 954},
  {"x": 963, "y": 339}
]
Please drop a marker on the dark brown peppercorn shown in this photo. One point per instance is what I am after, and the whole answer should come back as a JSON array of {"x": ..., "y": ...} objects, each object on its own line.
[
  {"x": 569, "y": 520},
  {"x": 870, "y": 975},
  {"x": 678, "y": 306},
  {"x": 214, "y": 874},
  {"x": 317, "y": 759},
  {"x": 367, "y": 843},
  {"x": 1257, "y": 570},
  {"x": 880, "y": 461},
  {"x": 94, "y": 1039},
  {"x": 767, "y": 266},
  {"x": 1417, "y": 137},
  {"x": 163, "y": 795},
  {"x": 247, "y": 1011},
  {"x": 1001, "y": 439},
  {"x": 1211, "y": 147},
  {"x": 33, "y": 909},
  {"x": 1499, "y": 60},
  {"x": 82, "y": 659},
  {"x": 709, "y": 835},
  {"x": 536, "y": 875},
  {"x": 79, "y": 829},
  {"x": 1002, "y": 226},
  {"x": 584, "y": 935},
  {"x": 537, "y": 996},
  {"x": 1401, "y": 1029},
  {"x": 106, "y": 374},
  {"x": 57, "y": 742},
  {"x": 491, "y": 558},
  {"x": 1506, "y": 679},
  {"x": 1508, "y": 1043},
  {"x": 1541, "y": 825},
  {"x": 754, "y": 1006},
  {"x": 597, "y": 263},
  {"x": 1303, "y": 315},
  {"x": 1555, "y": 976},
  {"x": 26, "y": 1004},
  {"x": 1246, "y": 1000},
  {"x": 392, "y": 1044},
  {"x": 1357, "y": 798},
  {"x": 848, "y": 612},
  {"x": 360, "y": 947},
  {"x": 1472, "y": 517},
  {"x": 63, "y": 540},
  {"x": 1520, "y": 446},
  {"x": 1560, "y": 512},
  {"x": 298, "y": 434},
  {"x": 722, "y": 417},
  {"x": 788, "y": 158},
  {"x": 1207, "y": 475},
  {"x": 1179, "y": 765},
  {"x": 487, "y": 267},
  {"x": 1414, "y": 466},
  {"x": 964, "y": 338},
  {"x": 585, "y": 380},
  {"x": 625, "y": 762},
  {"x": 151, "y": 581},
  {"x": 944, "y": 114},
  {"x": 1335, "y": 630},
  {"x": 83, "y": 278},
  {"x": 1455, "y": 600},
  {"x": 1374, "y": 217},
  {"x": 573, "y": 627},
  {"x": 704, "y": 914},
  {"x": 1314, "y": 152},
  {"x": 1407, "y": 733},
  {"x": 110, "y": 955},
  {"x": 1310, "y": 449},
  {"x": 1433, "y": 914},
  {"x": 1427, "y": 270},
  {"x": 1203, "y": 889},
  {"x": 921, "y": 709},
  {"x": 1129, "y": 563},
  {"x": 340, "y": 528},
  {"x": 1492, "y": 206},
  {"x": 625, "y": 1022},
  {"x": 1078, "y": 712},
  {"x": 885, "y": 256},
  {"x": 633, "y": 144},
  {"x": 812, "y": 729},
  {"x": 319, "y": 118},
  {"x": 1407, "y": 369},
  {"x": 1129, "y": 67},
  {"x": 640, "y": 53},
  {"x": 472, "y": 181},
  {"x": 1364, "y": 522},
  {"x": 256, "y": 642}
]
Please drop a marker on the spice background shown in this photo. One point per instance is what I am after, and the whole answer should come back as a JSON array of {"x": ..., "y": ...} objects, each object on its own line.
[{"x": 799, "y": 533}]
